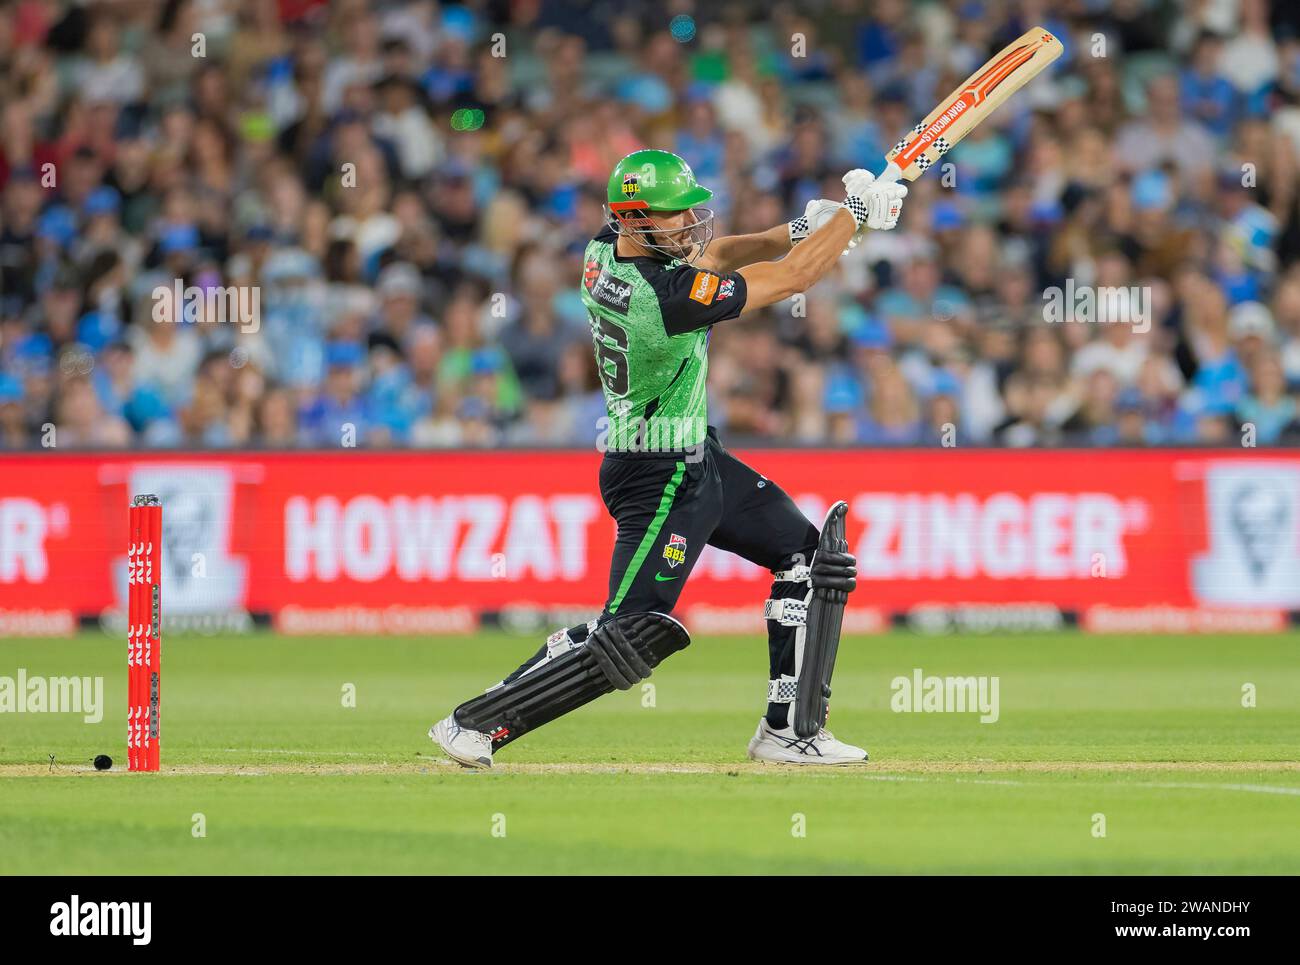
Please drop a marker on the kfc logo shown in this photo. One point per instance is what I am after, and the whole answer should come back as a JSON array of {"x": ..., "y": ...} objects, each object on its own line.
[{"x": 1253, "y": 531}]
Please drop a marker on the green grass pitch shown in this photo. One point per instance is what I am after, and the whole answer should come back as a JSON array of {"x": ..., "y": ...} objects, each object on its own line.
[{"x": 261, "y": 753}]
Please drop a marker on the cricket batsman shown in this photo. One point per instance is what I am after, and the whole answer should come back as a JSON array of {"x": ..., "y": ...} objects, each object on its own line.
[{"x": 655, "y": 283}]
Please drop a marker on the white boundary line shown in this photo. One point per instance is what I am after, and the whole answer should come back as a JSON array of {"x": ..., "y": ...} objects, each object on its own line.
[{"x": 1169, "y": 785}]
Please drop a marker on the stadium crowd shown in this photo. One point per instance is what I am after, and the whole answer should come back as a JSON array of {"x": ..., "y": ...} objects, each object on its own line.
[{"x": 408, "y": 187}]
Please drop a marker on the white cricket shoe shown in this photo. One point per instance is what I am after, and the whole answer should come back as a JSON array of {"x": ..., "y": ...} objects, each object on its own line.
[
  {"x": 469, "y": 748},
  {"x": 784, "y": 746}
]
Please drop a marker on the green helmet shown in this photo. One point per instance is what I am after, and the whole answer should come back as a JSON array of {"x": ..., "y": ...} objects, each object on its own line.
[
  {"x": 659, "y": 179},
  {"x": 650, "y": 181}
]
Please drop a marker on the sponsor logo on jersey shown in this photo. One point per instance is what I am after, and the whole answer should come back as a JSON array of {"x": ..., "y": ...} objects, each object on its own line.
[
  {"x": 675, "y": 551},
  {"x": 611, "y": 292},
  {"x": 704, "y": 287},
  {"x": 589, "y": 273},
  {"x": 631, "y": 186},
  {"x": 727, "y": 288}
]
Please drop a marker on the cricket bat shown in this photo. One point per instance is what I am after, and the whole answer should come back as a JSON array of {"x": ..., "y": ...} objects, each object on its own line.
[{"x": 978, "y": 96}]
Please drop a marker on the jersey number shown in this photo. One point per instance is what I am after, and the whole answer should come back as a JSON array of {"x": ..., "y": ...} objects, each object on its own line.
[{"x": 611, "y": 354}]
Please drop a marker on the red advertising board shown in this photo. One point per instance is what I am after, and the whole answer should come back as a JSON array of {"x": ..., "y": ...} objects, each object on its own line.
[{"x": 419, "y": 542}]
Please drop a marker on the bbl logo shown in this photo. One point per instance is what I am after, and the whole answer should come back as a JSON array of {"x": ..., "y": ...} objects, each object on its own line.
[
  {"x": 675, "y": 551},
  {"x": 631, "y": 186}
]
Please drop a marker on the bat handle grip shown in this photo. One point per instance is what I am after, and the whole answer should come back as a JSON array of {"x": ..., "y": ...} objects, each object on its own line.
[{"x": 891, "y": 173}]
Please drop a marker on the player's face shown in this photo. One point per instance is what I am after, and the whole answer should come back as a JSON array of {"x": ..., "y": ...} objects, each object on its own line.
[
  {"x": 678, "y": 232},
  {"x": 682, "y": 235}
]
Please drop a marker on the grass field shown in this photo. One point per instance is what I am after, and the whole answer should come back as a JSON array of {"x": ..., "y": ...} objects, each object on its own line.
[{"x": 1148, "y": 731}]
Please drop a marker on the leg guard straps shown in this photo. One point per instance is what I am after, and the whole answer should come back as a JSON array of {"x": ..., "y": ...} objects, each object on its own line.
[
  {"x": 787, "y": 612},
  {"x": 782, "y": 689},
  {"x": 795, "y": 574}
]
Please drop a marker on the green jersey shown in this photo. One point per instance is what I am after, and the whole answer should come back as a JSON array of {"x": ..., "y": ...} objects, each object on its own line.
[{"x": 650, "y": 321}]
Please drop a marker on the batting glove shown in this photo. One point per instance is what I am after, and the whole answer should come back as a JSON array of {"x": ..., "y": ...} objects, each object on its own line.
[
  {"x": 815, "y": 214},
  {"x": 877, "y": 206}
]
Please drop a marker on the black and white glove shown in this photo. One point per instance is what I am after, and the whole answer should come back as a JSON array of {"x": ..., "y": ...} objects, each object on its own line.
[
  {"x": 873, "y": 205},
  {"x": 815, "y": 214}
]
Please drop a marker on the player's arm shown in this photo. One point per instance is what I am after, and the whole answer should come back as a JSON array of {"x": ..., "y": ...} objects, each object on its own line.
[
  {"x": 735, "y": 251},
  {"x": 729, "y": 253},
  {"x": 692, "y": 297},
  {"x": 770, "y": 282}
]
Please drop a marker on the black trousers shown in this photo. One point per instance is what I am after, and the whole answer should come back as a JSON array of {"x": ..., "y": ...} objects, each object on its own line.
[{"x": 669, "y": 506}]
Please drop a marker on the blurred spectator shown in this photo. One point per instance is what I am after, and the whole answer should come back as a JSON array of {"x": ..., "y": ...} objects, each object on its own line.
[
  {"x": 337, "y": 416},
  {"x": 1165, "y": 134},
  {"x": 1207, "y": 95},
  {"x": 81, "y": 421},
  {"x": 1267, "y": 406},
  {"x": 893, "y": 416},
  {"x": 103, "y": 71}
]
